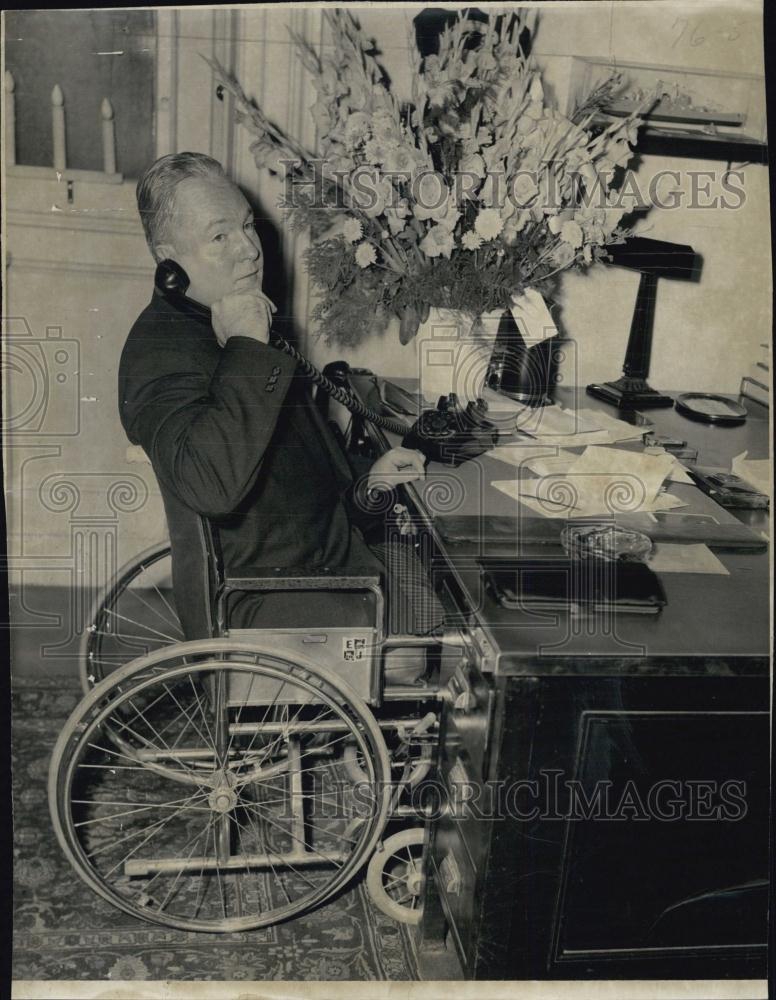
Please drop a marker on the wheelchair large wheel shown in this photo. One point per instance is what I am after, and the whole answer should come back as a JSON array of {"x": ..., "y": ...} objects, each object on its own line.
[
  {"x": 133, "y": 616},
  {"x": 204, "y": 787}
]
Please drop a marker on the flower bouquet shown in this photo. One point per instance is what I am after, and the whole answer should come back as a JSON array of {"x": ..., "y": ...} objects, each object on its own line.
[{"x": 462, "y": 199}]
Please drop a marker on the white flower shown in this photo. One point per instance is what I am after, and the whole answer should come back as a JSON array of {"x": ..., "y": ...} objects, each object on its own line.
[
  {"x": 488, "y": 223},
  {"x": 471, "y": 241},
  {"x": 619, "y": 152},
  {"x": 365, "y": 254},
  {"x": 556, "y": 222},
  {"x": 562, "y": 255},
  {"x": 396, "y": 216},
  {"x": 370, "y": 191},
  {"x": 431, "y": 196},
  {"x": 514, "y": 225},
  {"x": 438, "y": 242},
  {"x": 356, "y": 127},
  {"x": 376, "y": 150},
  {"x": 384, "y": 126},
  {"x": 352, "y": 230},
  {"x": 524, "y": 189},
  {"x": 571, "y": 233},
  {"x": 403, "y": 160},
  {"x": 473, "y": 164}
]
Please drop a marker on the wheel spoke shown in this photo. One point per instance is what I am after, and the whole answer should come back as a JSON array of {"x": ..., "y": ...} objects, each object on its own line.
[
  {"x": 312, "y": 850},
  {"x": 173, "y": 621},
  {"x": 153, "y": 631},
  {"x": 196, "y": 838},
  {"x": 132, "y": 812},
  {"x": 154, "y": 828}
]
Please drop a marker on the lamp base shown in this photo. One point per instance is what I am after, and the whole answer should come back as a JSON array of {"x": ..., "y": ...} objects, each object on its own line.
[{"x": 629, "y": 393}]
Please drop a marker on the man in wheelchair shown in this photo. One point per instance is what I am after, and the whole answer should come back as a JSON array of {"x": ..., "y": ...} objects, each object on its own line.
[{"x": 247, "y": 467}]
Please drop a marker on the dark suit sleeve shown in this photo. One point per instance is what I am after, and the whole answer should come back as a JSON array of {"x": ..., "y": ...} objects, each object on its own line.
[
  {"x": 205, "y": 436},
  {"x": 365, "y": 511}
]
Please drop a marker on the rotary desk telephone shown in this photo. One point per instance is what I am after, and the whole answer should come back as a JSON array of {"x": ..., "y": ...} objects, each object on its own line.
[{"x": 449, "y": 434}]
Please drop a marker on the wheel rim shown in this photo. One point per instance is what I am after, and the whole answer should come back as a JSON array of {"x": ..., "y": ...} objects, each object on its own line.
[
  {"x": 395, "y": 876},
  {"x": 181, "y": 830},
  {"x": 134, "y": 616}
]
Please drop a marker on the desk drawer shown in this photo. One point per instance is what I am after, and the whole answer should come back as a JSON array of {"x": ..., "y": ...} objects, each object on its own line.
[
  {"x": 456, "y": 881},
  {"x": 470, "y": 805}
]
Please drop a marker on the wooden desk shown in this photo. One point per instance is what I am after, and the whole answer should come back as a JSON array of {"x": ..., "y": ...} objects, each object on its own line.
[{"x": 584, "y": 756}]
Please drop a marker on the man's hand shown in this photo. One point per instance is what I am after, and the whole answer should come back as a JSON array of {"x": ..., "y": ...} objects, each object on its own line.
[
  {"x": 399, "y": 465},
  {"x": 243, "y": 314}
]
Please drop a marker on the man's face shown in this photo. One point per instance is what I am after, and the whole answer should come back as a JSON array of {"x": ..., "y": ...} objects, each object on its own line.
[{"x": 213, "y": 238}]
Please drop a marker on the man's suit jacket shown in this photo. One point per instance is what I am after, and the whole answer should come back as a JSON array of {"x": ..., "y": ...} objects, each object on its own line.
[{"x": 237, "y": 447}]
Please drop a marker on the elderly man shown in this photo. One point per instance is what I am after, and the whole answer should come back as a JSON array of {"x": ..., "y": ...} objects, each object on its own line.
[{"x": 236, "y": 444}]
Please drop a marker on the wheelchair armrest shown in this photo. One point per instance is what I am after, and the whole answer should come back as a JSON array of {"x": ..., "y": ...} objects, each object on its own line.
[
  {"x": 303, "y": 579},
  {"x": 290, "y": 579}
]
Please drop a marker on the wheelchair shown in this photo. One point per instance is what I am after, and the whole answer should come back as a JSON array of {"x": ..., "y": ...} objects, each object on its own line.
[{"x": 235, "y": 782}]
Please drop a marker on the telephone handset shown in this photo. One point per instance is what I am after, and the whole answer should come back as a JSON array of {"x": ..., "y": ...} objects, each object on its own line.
[{"x": 447, "y": 434}]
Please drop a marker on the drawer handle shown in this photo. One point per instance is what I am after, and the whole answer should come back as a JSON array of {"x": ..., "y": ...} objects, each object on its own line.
[{"x": 451, "y": 874}]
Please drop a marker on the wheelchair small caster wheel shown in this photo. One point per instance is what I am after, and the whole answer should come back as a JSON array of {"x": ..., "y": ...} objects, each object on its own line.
[{"x": 395, "y": 876}]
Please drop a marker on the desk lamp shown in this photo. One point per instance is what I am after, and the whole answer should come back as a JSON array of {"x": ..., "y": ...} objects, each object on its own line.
[{"x": 653, "y": 259}]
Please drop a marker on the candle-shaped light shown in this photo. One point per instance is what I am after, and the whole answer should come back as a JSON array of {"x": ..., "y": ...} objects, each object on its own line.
[
  {"x": 9, "y": 113},
  {"x": 108, "y": 137},
  {"x": 58, "y": 128}
]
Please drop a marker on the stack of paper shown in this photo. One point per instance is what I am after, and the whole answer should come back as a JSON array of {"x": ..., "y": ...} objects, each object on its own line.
[
  {"x": 553, "y": 425},
  {"x": 543, "y": 460},
  {"x": 599, "y": 482},
  {"x": 756, "y": 472}
]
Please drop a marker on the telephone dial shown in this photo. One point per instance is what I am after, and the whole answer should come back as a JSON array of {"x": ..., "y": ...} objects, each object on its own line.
[{"x": 448, "y": 434}]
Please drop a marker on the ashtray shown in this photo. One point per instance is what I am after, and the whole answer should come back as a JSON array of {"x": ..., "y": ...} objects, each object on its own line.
[{"x": 608, "y": 542}]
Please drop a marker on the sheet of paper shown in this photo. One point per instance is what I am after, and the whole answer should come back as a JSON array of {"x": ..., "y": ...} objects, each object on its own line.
[
  {"x": 668, "y": 557},
  {"x": 756, "y": 472},
  {"x": 582, "y": 496},
  {"x": 532, "y": 317},
  {"x": 665, "y": 501},
  {"x": 550, "y": 425},
  {"x": 679, "y": 474},
  {"x": 580, "y": 440},
  {"x": 600, "y": 481},
  {"x": 537, "y": 458},
  {"x": 619, "y": 430},
  {"x": 640, "y": 474}
]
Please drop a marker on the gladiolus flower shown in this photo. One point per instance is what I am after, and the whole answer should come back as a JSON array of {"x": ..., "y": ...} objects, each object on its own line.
[
  {"x": 524, "y": 189},
  {"x": 438, "y": 242},
  {"x": 431, "y": 196}
]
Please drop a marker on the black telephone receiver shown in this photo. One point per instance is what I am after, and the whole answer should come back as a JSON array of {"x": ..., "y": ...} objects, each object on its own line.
[{"x": 448, "y": 434}]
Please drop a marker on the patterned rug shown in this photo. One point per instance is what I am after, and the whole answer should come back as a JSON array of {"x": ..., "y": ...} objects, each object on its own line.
[{"x": 62, "y": 930}]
